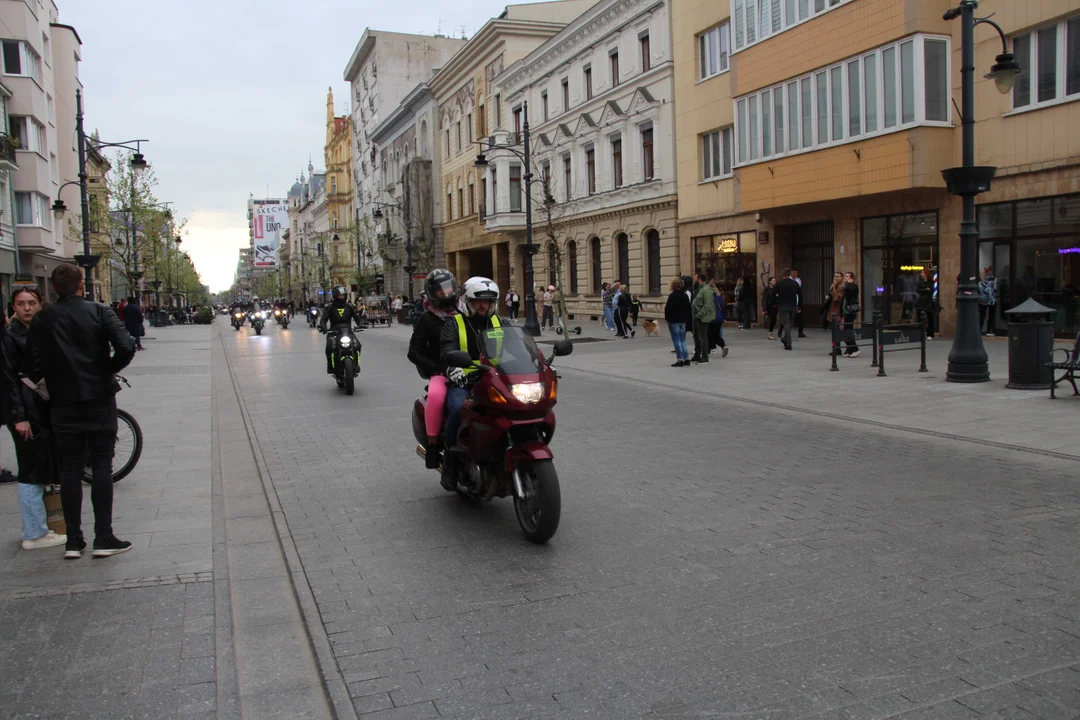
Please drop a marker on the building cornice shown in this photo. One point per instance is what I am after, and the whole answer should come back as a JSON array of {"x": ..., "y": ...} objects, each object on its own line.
[
  {"x": 402, "y": 114},
  {"x": 591, "y": 27},
  {"x": 68, "y": 27},
  {"x": 459, "y": 69},
  {"x": 360, "y": 54}
]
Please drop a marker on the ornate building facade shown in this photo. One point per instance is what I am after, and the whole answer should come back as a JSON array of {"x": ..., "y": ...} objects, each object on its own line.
[{"x": 337, "y": 154}]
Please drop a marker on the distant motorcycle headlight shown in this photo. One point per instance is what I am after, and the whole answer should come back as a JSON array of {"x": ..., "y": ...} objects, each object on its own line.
[
  {"x": 528, "y": 392},
  {"x": 277, "y": 312}
]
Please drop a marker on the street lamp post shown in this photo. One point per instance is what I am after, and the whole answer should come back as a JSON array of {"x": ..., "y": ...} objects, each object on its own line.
[
  {"x": 528, "y": 249},
  {"x": 138, "y": 164},
  {"x": 967, "y": 358},
  {"x": 408, "y": 267}
]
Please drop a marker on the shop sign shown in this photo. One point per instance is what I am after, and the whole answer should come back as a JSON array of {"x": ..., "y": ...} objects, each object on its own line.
[
  {"x": 419, "y": 276},
  {"x": 727, "y": 244},
  {"x": 23, "y": 279},
  {"x": 911, "y": 268},
  {"x": 1068, "y": 251},
  {"x": 763, "y": 238}
]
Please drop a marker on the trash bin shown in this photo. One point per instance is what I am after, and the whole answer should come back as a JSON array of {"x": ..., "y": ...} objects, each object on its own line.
[{"x": 1031, "y": 339}]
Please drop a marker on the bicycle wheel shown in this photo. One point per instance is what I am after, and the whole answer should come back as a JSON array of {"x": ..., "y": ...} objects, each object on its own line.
[{"x": 129, "y": 446}]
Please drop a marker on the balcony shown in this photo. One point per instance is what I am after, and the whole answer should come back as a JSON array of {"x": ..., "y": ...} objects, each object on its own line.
[{"x": 8, "y": 145}]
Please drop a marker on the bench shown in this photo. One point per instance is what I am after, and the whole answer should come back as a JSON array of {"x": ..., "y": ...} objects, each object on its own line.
[{"x": 1070, "y": 365}]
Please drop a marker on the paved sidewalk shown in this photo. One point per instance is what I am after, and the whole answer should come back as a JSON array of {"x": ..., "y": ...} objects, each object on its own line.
[{"x": 133, "y": 635}]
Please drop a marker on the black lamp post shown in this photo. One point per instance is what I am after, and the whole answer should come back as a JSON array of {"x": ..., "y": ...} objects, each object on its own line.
[
  {"x": 528, "y": 249},
  {"x": 87, "y": 261},
  {"x": 408, "y": 267},
  {"x": 967, "y": 358}
]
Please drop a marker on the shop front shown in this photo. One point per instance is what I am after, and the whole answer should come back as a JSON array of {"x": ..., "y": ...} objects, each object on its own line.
[
  {"x": 896, "y": 250},
  {"x": 725, "y": 258},
  {"x": 1032, "y": 248}
]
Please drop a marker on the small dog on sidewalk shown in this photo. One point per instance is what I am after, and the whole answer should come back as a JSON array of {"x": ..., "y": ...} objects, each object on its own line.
[{"x": 651, "y": 328}]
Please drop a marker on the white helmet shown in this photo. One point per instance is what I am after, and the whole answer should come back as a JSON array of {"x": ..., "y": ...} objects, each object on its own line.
[{"x": 478, "y": 288}]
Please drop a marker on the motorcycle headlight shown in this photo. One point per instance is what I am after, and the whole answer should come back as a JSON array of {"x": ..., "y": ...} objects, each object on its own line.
[
  {"x": 239, "y": 315},
  {"x": 346, "y": 341},
  {"x": 528, "y": 392},
  {"x": 277, "y": 312}
]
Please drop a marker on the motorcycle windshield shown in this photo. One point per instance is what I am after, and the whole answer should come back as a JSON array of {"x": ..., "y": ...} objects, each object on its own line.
[{"x": 512, "y": 351}]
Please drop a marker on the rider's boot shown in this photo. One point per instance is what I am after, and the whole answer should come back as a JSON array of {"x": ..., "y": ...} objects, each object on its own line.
[
  {"x": 448, "y": 480},
  {"x": 433, "y": 456}
]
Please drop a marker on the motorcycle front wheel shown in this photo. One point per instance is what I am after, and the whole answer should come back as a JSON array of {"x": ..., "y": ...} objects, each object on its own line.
[
  {"x": 258, "y": 331},
  {"x": 349, "y": 375},
  {"x": 539, "y": 511}
]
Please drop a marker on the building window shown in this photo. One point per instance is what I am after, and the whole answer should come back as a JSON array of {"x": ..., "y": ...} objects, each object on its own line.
[
  {"x": 588, "y": 82},
  {"x": 716, "y": 154},
  {"x": 590, "y": 170},
  {"x": 565, "y": 84},
  {"x": 447, "y": 143},
  {"x": 469, "y": 128},
  {"x": 449, "y": 205},
  {"x": 515, "y": 188},
  {"x": 848, "y": 101},
  {"x": 622, "y": 257},
  {"x": 566, "y": 176},
  {"x": 494, "y": 192},
  {"x": 613, "y": 57},
  {"x": 20, "y": 59},
  {"x": 652, "y": 251},
  {"x": 646, "y": 52},
  {"x": 458, "y": 131},
  {"x": 1051, "y": 55},
  {"x": 28, "y": 133},
  {"x": 544, "y": 105},
  {"x": 647, "y": 153},
  {"x": 33, "y": 210},
  {"x": 545, "y": 174},
  {"x": 757, "y": 20},
  {"x": 498, "y": 111},
  {"x": 472, "y": 199},
  {"x": 461, "y": 202},
  {"x": 571, "y": 257},
  {"x": 896, "y": 249},
  {"x": 483, "y": 200},
  {"x": 553, "y": 264},
  {"x": 50, "y": 108},
  {"x": 481, "y": 121},
  {"x": 517, "y": 125},
  {"x": 597, "y": 265},
  {"x": 713, "y": 49},
  {"x": 616, "y": 161}
]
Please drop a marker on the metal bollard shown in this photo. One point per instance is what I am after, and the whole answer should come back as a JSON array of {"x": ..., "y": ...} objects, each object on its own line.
[
  {"x": 880, "y": 347},
  {"x": 922, "y": 350},
  {"x": 876, "y": 319},
  {"x": 835, "y": 345}
]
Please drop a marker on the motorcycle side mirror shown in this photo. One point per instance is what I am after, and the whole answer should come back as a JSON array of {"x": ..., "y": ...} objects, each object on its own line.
[
  {"x": 459, "y": 359},
  {"x": 563, "y": 347}
]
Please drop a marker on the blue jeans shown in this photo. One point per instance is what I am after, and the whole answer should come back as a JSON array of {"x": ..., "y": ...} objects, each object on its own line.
[
  {"x": 678, "y": 339},
  {"x": 32, "y": 509},
  {"x": 455, "y": 398},
  {"x": 609, "y": 318}
]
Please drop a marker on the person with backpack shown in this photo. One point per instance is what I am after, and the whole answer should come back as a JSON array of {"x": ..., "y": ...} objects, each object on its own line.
[
  {"x": 703, "y": 308},
  {"x": 716, "y": 326}
]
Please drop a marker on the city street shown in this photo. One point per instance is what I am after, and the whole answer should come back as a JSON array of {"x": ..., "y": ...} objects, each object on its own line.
[{"x": 716, "y": 557}]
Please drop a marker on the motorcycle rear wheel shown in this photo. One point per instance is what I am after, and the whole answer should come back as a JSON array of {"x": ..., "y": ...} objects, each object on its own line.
[
  {"x": 539, "y": 512},
  {"x": 349, "y": 375}
]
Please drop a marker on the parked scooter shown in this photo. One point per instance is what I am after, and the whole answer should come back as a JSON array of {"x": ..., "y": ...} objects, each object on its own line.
[{"x": 506, "y": 426}]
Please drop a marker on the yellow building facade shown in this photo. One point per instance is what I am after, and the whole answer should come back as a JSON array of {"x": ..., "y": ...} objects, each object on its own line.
[
  {"x": 339, "y": 191},
  {"x": 815, "y": 139}
]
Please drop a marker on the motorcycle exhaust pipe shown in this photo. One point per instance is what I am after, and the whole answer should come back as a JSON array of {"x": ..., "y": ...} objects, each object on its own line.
[{"x": 421, "y": 451}]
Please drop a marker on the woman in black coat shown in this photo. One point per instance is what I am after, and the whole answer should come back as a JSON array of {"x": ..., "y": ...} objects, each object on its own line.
[
  {"x": 925, "y": 303},
  {"x": 677, "y": 314}
]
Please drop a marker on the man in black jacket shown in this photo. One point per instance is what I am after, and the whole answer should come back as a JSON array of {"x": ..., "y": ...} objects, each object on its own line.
[
  {"x": 68, "y": 346},
  {"x": 339, "y": 315},
  {"x": 789, "y": 301}
]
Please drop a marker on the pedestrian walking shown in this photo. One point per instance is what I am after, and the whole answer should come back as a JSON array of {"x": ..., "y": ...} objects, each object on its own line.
[
  {"x": 635, "y": 309},
  {"x": 133, "y": 321},
  {"x": 768, "y": 303},
  {"x": 799, "y": 320},
  {"x": 677, "y": 315},
  {"x": 606, "y": 297},
  {"x": 716, "y": 326},
  {"x": 68, "y": 346},
  {"x": 833, "y": 300},
  {"x": 744, "y": 304},
  {"x": 622, "y": 313},
  {"x": 703, "y": 309},
  {"x": 513, "y": 304},
  {"x": 26, "y": 412},
  {"x": 987, "y": 300},
  {"x": 925, "y": 303},
  {"x": 788, "y": 303},
  {"x": 849, "y": 309},
  {"x": 549, "y": 307},
  {"x": 398, "y": 309}
]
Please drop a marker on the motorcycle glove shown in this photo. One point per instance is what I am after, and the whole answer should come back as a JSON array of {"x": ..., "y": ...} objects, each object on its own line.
[{"x": 456, "y": 376}]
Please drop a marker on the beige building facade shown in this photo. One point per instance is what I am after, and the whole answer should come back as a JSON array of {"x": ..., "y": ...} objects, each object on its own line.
[
  {"x": 337, "y": 154},
  {"x": 815, "y": 139},
  {"x": 470, "y": 109}
]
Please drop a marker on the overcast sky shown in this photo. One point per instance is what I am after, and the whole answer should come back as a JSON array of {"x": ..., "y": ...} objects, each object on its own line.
[{"x": 231, "y": 93}]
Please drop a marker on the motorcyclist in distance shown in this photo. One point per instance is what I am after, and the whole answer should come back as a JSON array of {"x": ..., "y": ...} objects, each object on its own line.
[
  {"x": 479, "y": 297},
  {"x": 425, "y": 352},
  {"x": 339, "y": 314}
]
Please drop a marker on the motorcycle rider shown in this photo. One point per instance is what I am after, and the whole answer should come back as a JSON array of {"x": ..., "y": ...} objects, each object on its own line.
[
  {"x": 479, "y": 298},
  {"x": 340, "y": 315},
  {"x": 425, "y": 352}
]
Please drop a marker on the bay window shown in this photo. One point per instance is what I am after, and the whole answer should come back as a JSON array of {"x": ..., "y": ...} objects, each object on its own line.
[
  {"x": 1051, "y": 57},
  {"x": 847, "y": 101},
  {"x": 757, "y": 20}
]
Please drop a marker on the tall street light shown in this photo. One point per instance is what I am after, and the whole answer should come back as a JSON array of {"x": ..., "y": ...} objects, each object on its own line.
[
  {"x": 138, "y": 164},
  {"x": 409, "y": 268},
  {"x": 967, "y": 358},
  {"x": 532, "y": 326}
]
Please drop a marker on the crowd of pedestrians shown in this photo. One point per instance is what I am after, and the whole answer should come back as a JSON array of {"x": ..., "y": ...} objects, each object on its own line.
[{"x": 59, "y": 384}]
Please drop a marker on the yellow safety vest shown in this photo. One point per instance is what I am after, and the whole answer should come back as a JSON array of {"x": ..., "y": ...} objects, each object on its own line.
[{"x": 463, "y": 340}]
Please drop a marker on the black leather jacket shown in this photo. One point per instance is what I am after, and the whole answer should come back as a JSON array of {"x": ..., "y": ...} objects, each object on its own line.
[
  {"x": 425, "y": 346},
  {"x": 68, "y": 345},
  {"x": 339, "y": 314},
  {"x": 20, "y": 402}
]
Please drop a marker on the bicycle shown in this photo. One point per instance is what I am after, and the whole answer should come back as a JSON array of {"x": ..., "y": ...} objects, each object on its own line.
[{"x": 129, "y": 444}]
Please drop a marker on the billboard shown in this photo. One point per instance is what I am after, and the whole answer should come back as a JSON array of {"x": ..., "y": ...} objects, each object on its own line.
[{"x": 270, "y": 218}]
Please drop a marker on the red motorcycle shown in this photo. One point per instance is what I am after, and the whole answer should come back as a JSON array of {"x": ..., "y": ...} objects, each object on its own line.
[{"x": 506, "y": 425}]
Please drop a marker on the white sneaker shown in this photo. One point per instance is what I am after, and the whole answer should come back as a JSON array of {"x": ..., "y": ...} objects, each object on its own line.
[{"x": 48, "y": 540}]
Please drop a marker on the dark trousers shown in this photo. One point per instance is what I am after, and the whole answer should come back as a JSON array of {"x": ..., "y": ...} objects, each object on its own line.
[
  {"x": 787, "y": 325},
  {"x": 549, "y": 317},
  {"x": 514, "y": 310},
  {"x": 746, "y": 315},
  {"x": 772, "y": 320},
  {"x": 86, "y": 430},
  {"x": 986, "y": 318},
  {"x": 926, "y": 316},
  {"x": 799, "y": 324},
  {"x": 849, "y": 331},
  {"x": 716, "y": 338},
  {"x": 455, "y": 398},
  {"x": 620, "y": 323},
  {"x": 701, "y": 339}
]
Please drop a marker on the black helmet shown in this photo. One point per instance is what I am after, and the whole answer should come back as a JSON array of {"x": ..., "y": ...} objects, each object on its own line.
[
  {"x": 339, "y": 292},
  {"x": 441, "y": 289}
]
